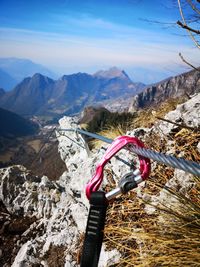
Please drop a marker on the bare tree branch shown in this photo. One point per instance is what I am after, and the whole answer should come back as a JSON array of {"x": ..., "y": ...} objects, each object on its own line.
[
  {"x": 189, "y": 64},
  {"x": 184, "y": 26},
  {"x": 177, "y": 124},
  {"x": 193, "y": 6},
  {"x": 184, "y": 23},
  {"x": 157, "y": 22}
]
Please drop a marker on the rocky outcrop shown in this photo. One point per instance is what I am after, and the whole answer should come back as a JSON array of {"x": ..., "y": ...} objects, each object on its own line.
[
  {"x": 23, "y": 193},
  {"x": 181, "y": 85},
  {"x": 61, "y": 207},
  {"x": 187, "y": 114}
]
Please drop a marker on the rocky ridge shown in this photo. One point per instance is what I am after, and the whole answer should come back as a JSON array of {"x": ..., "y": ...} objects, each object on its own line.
[
  {"x": 60, "y": 208},
  {"x": 185, "y": 84}
]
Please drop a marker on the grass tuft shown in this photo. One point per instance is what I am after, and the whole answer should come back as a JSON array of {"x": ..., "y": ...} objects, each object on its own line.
[
  {"x": 147, "y": 117},
  {"x": 110, "y": 132},
  {"x": 171, "y": 235}
]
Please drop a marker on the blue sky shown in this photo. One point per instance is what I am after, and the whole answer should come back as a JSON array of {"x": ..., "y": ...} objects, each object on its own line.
[{"x": 73, "y": 35}]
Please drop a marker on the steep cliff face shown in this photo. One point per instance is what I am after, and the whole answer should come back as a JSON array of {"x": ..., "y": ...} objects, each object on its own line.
[{"x": 186, "y": 83}]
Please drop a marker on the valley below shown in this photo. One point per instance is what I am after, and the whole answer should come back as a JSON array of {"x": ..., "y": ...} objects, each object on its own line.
[
  {"x": 38, "y": 153},
  {"x": 43, "y": 207}
]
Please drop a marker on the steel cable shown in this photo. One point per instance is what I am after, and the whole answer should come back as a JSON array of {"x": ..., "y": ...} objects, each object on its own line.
[{"x": 179, "y": 163}]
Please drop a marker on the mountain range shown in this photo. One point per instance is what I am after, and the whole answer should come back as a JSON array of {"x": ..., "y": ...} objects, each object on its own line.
[
  {"x": 40, "y": 95},
  {"x": 14, "y": 70},
  {"x": 113, "y": 89}
]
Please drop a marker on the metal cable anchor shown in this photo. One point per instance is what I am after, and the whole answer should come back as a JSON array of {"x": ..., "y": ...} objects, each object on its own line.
[
  {"x": 116, "y": 146},
  {"x": 128, "y": 182}
]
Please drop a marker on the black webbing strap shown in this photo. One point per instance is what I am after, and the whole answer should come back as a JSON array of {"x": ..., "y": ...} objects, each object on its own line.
[{"x": 94, "y": 230}]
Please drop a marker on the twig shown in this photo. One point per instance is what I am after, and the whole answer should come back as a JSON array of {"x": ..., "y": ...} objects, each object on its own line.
[
  {"x": 177, "y": 124},
  {"x": 185, "y": 61},
  {"x": 184, "y": 21},
  {"x": 193, "y": 7},
  {"x": 188, "y": 96},
  {"x": 184, "y": 26}
]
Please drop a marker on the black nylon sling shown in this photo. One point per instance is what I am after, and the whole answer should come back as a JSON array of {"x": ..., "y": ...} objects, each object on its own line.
[{"x": 94, "y": 230}]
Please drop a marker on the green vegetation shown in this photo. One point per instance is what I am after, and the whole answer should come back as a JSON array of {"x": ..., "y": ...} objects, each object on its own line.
[
  {"x": 113, "y": 124},
  {"x": 105, "y": 120}
]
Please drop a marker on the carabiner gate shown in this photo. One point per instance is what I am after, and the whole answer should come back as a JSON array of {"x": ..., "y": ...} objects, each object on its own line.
[{"x": 116, "y": 146}]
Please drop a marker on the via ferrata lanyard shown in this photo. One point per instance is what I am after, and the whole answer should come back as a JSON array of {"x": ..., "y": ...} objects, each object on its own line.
[{"x": 99, "y": 200}]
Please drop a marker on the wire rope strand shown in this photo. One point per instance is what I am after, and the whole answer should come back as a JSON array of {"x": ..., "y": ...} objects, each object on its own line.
[{"x": 179, "y": 163}]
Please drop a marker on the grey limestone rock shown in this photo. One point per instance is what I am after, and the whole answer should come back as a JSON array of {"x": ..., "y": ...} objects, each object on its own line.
[{"x": 61, "y": 207}]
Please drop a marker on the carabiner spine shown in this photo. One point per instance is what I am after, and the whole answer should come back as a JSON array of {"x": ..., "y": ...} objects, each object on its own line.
[{"x": 116, "y": 146}]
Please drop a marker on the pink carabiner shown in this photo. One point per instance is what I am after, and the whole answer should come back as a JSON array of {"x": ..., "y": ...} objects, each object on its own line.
[{"x": 117, "y": 145}]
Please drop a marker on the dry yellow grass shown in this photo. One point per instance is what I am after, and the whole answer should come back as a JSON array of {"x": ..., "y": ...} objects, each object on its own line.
[
  {"x": 35, "y": 144},
  {"x": 7, "y": 156},
  {"x": 169, "y": 237},
  {"x": 83, "y": 125},
  {"x": 147, "y": 117},
  {"x": 111, "y": 132}
]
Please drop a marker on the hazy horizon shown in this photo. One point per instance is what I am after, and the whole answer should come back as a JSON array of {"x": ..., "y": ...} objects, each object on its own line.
[{"x": 87, "y": 36}]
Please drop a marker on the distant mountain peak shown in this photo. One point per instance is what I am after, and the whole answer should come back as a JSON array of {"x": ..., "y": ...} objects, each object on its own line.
[
  {"x": 6, "y": 80},
  {"x": 11, "y": 60},
  {"x": 40, "y": 95},
  {"x": 37, "y": 75},
  {"x": 78, "y": 74},
  {"x": 41, "y": 78},
  {"x": 113, "y": 72},
  {"x": 18, "y": 69}
]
